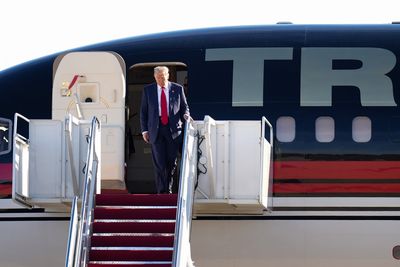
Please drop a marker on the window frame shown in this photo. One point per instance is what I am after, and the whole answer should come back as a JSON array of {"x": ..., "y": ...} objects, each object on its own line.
[
  {"x": 370, "y": 129},
  {"x": 316, "y": 135},
  {"x": 279, "y": 135}
]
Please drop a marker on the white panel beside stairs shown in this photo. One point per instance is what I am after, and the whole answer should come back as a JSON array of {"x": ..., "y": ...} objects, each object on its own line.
[{"x": 234, "y": 169}]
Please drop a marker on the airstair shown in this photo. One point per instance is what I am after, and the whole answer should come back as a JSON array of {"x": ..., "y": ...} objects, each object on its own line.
[
  {"x": 134, "y": 230},
  {"x": 154, "y": 230},
  {"x": 219, "y": 175}
]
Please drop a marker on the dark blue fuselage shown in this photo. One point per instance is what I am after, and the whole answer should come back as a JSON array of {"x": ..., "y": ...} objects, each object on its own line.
[{"x": 26, "y": 89}]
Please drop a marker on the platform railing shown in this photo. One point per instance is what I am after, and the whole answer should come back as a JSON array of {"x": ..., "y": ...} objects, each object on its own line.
[
  {"x": 228, "y": 151},
  {"x": 267, "y": 148},
  {"x": 80, "y": 228},
  {"x": 20, "y": 162},
  {"x": 188, "y": 173}
]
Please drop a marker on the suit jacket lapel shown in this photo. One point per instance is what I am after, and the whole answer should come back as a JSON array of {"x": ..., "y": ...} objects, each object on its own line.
[{"x": 171, "y": 97}]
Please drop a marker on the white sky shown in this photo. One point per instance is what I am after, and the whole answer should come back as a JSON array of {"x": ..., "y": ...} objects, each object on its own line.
[{"x": 33, "y": 28}]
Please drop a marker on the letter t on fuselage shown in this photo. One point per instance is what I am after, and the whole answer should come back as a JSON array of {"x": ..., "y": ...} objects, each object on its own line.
[{"x": 248, "y": 70}]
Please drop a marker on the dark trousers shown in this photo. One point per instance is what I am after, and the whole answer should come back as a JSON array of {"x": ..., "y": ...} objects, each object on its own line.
[{"x": 165, "y": 152}]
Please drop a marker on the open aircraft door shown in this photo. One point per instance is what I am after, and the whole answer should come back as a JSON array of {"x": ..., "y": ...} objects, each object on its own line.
[{"x": 87, "y": 84}]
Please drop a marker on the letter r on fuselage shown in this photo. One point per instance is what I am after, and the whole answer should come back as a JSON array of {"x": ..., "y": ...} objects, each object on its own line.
[{"x": 318, "y": 75}]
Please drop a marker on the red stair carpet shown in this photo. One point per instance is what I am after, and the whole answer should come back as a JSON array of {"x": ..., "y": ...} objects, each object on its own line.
[{"x": 133, "y": 230}]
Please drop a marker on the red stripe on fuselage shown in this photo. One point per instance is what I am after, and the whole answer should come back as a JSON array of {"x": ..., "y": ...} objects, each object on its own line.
[
  {"x": 5, "y": 190},
  {"x": 5, "y": 175},
  {"x": 338, "y": 188},
  {"x": 6, "y": 171},
  {"x": 308, "y": 170},
  {"x": 336, "y": 170}
]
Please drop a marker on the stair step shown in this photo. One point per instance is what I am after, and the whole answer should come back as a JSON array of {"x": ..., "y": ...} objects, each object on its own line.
[
  {"x": 136, "y": 199},
  {"x": 130, "y": 255},
  {"x": 129, "y": 264},
  {"x": 134, "y": 213},
  {"x": 132, "y": 248},
  {"x": 114, "y": 191},
  {"x": 132, "y": 240},
  {"x": 116, "y": 226}
]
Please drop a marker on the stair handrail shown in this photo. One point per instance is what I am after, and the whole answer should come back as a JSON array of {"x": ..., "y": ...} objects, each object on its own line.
[
  {"x": 188, "y": 173},
  {"x": 80, "y": 228},
  {"x": 72, "y": 234}
]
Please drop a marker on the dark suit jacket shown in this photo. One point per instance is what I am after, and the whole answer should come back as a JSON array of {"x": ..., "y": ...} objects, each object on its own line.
[{"x": 149, "y": 114}]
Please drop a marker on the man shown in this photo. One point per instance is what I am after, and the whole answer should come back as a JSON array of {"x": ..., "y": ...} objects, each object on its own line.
[{"x": 163, "y": 111}]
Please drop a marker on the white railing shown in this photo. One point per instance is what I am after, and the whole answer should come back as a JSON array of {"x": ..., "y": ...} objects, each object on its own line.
[
  {"x": 267, "y": 150},
  {"x": 182, "y": 254},
  {"x": 20, "y": 163},
  {"x": 80, "y": 228}
]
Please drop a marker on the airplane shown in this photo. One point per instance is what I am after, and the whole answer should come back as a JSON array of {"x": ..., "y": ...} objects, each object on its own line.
[{"x": 331, "y": 93}]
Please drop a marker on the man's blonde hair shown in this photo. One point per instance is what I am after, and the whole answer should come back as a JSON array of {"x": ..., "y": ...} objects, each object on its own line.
[{"x": 159, "y": 69}]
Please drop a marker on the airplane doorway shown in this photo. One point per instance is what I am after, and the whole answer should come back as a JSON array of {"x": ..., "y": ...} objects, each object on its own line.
[{"x": 138, "y": 158}]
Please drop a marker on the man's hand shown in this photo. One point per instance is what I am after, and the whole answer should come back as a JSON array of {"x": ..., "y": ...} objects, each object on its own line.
[
  {"x": 187, "y": 117},
  {"x": 146, "y": 137}
]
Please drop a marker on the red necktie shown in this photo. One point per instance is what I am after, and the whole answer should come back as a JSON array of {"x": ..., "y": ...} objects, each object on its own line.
[{"x": 164, "y": 112}]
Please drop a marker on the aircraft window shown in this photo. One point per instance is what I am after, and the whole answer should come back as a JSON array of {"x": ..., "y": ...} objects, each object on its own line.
[
  {"x": 285, "y": 129},
  {"x": 325, "y": 129},
  {"x": 5, "y": 136},
  {"x": 361, "y": 130}
]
